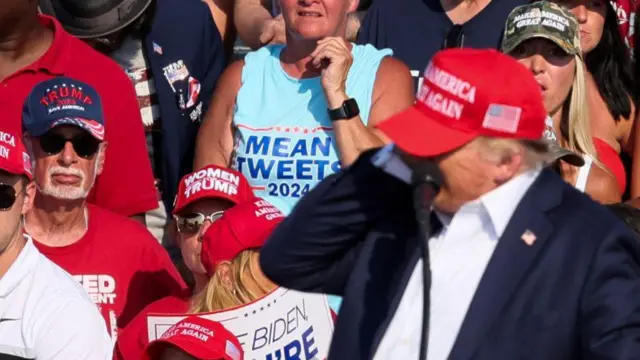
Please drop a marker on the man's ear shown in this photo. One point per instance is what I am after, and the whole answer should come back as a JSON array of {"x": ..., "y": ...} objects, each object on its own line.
[
  {"x": 509, "y": 165},
  {"x": 102, "y": 152},
  {"x": 353, "y": 6},
  {"x": 29, "y": 195}
]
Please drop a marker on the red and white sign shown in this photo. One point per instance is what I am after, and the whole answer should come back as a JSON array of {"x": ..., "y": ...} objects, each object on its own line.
[{"x": 283, "y": 325}]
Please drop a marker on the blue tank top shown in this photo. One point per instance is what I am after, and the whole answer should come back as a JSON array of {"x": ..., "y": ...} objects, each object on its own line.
[{"x": 284, "y": 140}]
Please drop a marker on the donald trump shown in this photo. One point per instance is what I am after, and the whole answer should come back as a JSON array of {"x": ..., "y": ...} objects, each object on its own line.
[{"x": 523, "y": 266}]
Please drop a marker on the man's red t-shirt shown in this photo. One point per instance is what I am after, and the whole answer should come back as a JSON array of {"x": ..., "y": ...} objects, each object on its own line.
[
  {"x": 126, "y": 186},
  {"x": 135, "y": 337},
  {"x": 120, "y": 265}
]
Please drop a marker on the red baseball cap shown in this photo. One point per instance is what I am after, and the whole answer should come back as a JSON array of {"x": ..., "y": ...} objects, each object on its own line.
[
  {"x": 468, "y": 93},
  {"x": 212, "y": 182},
  {"x": 243, "y": 227},
  {"x": 201, "y": 338},
  {"x": 13, "y": 155}
]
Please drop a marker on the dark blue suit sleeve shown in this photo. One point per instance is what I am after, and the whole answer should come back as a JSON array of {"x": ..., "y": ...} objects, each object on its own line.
[
  {"x": 315, "y": 247},
  {"x": 610, "y": 309}
]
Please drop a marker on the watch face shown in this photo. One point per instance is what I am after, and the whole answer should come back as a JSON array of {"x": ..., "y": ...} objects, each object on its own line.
[
  {"x": 351, "y": 107},
  {"x": 348, "y": 110}
]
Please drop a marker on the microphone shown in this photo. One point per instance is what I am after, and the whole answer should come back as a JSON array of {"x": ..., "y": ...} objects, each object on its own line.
[{"x": 425, "y": 180}]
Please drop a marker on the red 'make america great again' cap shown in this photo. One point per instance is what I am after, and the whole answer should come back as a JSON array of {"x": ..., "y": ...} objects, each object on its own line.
[
  {"x": 13, "y": 155},
  {"x": 468, "y": 93},
  {"x": 243, "y": 227},
  {"x": 201, "y": 338}
]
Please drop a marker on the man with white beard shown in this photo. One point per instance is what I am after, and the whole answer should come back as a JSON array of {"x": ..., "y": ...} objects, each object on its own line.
[{"x": 117, "y": 261}]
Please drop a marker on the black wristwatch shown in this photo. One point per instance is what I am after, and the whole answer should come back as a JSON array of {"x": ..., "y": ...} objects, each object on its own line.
[{"x": 348, "y": 110}]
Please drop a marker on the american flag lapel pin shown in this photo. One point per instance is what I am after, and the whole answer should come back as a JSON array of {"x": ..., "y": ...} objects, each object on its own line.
[
  {"x": 157, "y": 48},
  {"x": 528, "y": 237}
]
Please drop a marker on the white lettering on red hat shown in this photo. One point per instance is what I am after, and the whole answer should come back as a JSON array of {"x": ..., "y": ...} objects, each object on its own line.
[
  {"x": 451, "y": 84},
  {"x": 503, "y": 118},
  {"x": 196, "y": 327},
  {"x": 4, "y": 152},
  {"x": 7, "y": 139},
  {"x": 266, "y": 208},
  {"x": 196, "y": 334},
  {"x": 211, "y": 179},
  {"x": 438, "y": 96}
]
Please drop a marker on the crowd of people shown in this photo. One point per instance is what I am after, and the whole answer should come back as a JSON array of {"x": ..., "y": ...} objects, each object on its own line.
[{"x": 142, "y": 171}]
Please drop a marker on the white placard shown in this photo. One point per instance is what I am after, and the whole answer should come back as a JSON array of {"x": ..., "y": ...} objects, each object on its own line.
[{"x": 284, "y": 325}]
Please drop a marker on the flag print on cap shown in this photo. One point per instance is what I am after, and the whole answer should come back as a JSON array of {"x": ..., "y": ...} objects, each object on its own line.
[
  {"x": 201, "y": 338},
  {"x": 212, "y": 182},
  {"x": 458, "y": 102},
  {"x": 243, "y": 227},
  {"x": 63, "y": 101}
]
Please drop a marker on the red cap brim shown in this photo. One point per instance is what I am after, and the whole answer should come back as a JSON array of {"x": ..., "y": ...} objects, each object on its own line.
[
  {"x": 417, "y": 134},
  {"x": 193, "y": 348}
]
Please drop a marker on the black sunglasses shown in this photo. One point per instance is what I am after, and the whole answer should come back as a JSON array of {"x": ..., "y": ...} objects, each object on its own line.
[
  {"x": 455, "y": 37},
  {"x": 191, "y": 223},
  {"x": 84, "y": 145},
  {"x": 7, "y": 196}
]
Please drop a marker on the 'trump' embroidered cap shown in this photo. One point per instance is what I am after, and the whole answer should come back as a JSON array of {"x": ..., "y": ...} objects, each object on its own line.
[
  {"x": 13, "y": 155},
  {"x": 243, "y": 227},
  {"x": 201, "y": 338},
  {"x": 468, "y": 93},
  {"x": 63, "y": 101},
  {"x": 213, "y": 182},
  {"x": 542, "y": 19}
]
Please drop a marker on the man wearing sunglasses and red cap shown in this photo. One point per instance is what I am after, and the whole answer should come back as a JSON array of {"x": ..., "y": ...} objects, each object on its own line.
[
  {"x": 117, "y": 261},
  {"x": 521, "y": 265},
  {"x": 202, "y": 198},
  {"x": 44, "y": 313}
]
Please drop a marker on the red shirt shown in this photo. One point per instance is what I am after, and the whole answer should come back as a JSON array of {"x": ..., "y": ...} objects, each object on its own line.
[
  {"x": 135, "y": 337},
  {"x": 120, "y": 264},
  {"x": 126, "y": 185}
]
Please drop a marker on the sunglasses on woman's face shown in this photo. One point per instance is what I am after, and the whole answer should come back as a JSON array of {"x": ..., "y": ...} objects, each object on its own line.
[
  {"x": 84, "y": 145},
  {"x": 192, "y": 223},
  {"x": 455, "y": 37},
  {"x": 7, "y": 196}
]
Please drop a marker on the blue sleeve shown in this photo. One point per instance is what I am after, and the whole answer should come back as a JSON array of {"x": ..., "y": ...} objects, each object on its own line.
[
  {"x": 369, "y": 29},
  {"x": 213, "y": 56},
  {"x": 315, "y": 247},
  {"x": 610, "y": 314}
]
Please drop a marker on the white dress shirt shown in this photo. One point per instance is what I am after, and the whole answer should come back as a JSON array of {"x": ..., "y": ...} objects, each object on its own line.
[
  {"x": 46, "y": 315},
  {"x": 459, "y": 253}
]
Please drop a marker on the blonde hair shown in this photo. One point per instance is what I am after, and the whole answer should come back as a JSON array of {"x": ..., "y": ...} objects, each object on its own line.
[
  {"x": 218, "y": 295},
  {"x": 577, "y": 118}
]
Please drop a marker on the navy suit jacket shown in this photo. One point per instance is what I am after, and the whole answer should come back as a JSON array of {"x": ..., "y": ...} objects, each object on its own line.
[
  {"x": 182, "y": 32},
  {"x": 573, "y": 294}
]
